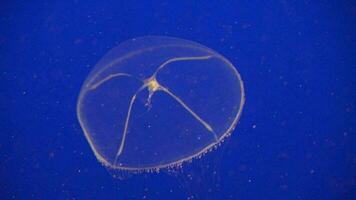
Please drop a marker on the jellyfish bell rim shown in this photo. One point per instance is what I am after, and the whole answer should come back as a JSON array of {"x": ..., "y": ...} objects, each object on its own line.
[{"x": 177, "y": 162}]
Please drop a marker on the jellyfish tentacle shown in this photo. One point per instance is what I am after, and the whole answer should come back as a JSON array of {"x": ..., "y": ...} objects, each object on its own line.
[
  {"x": 127, "y": 120},
  {"x": 180, "y": 59},
  {"x": 148, "y": 103},
  {"x": 186, "y": 107},
  {"x": 111, "y": 76}
]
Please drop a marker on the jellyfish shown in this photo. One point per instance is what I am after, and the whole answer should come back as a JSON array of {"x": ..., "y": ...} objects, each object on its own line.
[{"x": 156, "y": 102}]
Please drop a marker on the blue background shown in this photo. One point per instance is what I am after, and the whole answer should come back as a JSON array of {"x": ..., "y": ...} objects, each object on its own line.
[{"x": 296, "y": 137}]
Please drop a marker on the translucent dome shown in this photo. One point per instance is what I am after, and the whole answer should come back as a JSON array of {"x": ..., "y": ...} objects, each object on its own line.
[{"x": 155, "y": 102}]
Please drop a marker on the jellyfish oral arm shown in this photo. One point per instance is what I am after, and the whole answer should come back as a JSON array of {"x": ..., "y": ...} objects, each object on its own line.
[
  {"x": 180, "y": 59},
  {"x": 127, "y": 120},
  {"x": 109, "y": 77},
  {"x": 186, "y": 107}
]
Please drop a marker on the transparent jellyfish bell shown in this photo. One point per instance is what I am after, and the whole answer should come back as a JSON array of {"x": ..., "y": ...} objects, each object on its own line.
[{"x": 155, "y": 102}]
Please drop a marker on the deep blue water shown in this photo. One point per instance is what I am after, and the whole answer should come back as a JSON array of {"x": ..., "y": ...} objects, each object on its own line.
[{"x": 295, "y": 139}]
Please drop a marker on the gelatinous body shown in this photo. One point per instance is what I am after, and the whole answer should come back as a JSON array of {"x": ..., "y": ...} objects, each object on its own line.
[{"x": 155, "y": 102}]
